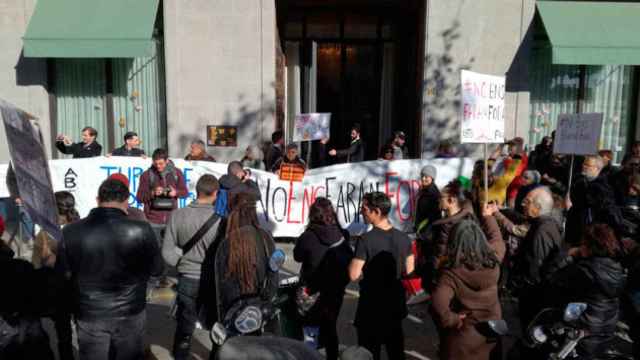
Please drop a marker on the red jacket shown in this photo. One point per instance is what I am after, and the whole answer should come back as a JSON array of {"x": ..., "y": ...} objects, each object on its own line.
[{"x": 145, "y": 193}]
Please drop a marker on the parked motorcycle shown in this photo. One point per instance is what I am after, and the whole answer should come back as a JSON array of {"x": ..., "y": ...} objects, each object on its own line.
[
  {"x": 555, "y": 334},
  {"x": 250, "y": 314}
]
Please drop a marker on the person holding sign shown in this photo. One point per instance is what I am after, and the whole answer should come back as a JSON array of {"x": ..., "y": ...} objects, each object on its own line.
[
  {"x": 290, "y": 166},
  {"x": 355, "y": 151}
]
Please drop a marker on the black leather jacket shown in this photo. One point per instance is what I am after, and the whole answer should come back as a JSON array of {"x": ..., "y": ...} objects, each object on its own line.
[
  {"x": 110, "y": 259},
  {"x": 597, "y": 281}
]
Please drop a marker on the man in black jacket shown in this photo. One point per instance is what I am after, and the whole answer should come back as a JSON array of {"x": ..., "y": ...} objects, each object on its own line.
[
  {"x": 237, "y": 180},
  {"x": 130, "y": 147},
  {"x": 541, "y": 243},
  {"x": 89, "y": 147},
  {"x": 110, "y": 259},
  {"x": 592, "y": 200},
  {"x": 355, "y": 151}
]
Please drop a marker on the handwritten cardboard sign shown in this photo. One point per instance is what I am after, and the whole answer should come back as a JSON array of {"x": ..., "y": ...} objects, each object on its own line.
[
  {"x": 482, "y": 108},
  {"x": 578, "y": 134},
  {"x": 312, "y": 126}
]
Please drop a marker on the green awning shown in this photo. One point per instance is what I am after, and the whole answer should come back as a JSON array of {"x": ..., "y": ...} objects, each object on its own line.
[
  {"x": 592, "y": 33},
  {"x": 91, "y": 29}
]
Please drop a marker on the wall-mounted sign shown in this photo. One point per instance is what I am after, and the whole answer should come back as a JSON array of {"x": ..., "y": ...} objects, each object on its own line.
[{"x": 222, "y": 135}]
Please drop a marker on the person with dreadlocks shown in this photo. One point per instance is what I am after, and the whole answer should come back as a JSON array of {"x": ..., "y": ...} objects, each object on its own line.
[
  {"x": 242, "y": 259},
  {"x": 466, "y": 293}
]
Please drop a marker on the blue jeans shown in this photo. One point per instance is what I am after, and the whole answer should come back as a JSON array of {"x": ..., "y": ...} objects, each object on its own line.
[
  {"x": 112, "y": 339},
  {"x": 186, "y": 316}
]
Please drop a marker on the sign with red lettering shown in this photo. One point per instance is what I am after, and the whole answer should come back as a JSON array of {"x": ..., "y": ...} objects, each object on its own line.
[
  {"x": 283, "y": 207},
  {"x": 482, "y": 110}
]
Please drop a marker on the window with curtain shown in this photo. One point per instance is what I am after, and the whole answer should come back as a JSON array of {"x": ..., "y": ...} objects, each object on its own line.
[
  {"x": 555, "y": 89},
  {"x": 139, "y": 99},
  {"x": 80, "y": 89},
  {"x": 609, "y": 90}
]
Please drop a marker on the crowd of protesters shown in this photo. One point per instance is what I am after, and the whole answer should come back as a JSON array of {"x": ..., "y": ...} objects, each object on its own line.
[{"x": 528, "y": 234}]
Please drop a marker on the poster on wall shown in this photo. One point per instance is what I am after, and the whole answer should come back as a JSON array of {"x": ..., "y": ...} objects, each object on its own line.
[
  {"x": 312, "y": 126},
  {"x": 482, "y": 108},
  {"x": 578, "y": 134},
  {"x": 222, "y": 135}
]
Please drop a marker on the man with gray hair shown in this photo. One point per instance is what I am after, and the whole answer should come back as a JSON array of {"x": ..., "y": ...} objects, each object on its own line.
[
  {"x": 540, "y": 244},
  {"x": 198, "y": 152},
  {"x": 591, "y": 200}
]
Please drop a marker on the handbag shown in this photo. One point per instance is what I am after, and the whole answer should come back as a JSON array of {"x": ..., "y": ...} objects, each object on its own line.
[{"x": 162, "y": 203}]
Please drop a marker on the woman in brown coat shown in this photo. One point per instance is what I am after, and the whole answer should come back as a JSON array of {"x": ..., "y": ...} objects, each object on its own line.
[{"x": 466, "y": 293}]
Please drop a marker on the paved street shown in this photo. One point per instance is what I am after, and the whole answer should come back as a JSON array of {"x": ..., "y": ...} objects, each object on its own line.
[{"x": 420, "y": 334}]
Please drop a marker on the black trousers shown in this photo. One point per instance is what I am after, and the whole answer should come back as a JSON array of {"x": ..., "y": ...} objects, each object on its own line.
[
  {"x": 388, "y": 334},
  {"x": 186, "y": 316},
  {"x": 112, "y": 339}
]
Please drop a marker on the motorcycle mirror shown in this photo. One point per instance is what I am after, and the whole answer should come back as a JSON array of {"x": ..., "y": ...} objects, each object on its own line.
[
  {"x": 573, "y": 311},
  {"x": 492, "y": 329},
  {"x": 277, "y": 259},
  {"x": 218, "y": 334}
]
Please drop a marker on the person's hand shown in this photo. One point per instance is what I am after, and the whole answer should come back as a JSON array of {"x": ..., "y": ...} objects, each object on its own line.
[
  {"x": 18, "y": 201},
  {"x": 173, "y": 193},
  {"x": 60, "y": 137},
  {"x": 333, "y": 152},
  {"x": 489, "y": 209},
  {"x": 574, "y": 251},
  {"x": 67, "y": 141},
  {"x": 461, "y": 317},
  {"x": 108, "y": 155},
  {"x": 567, "y": 202},
  {"x": 159, "y": 190}
]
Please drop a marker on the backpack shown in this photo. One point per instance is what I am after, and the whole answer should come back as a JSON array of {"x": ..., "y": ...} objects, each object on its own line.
[{"x": 222, "y": 203}]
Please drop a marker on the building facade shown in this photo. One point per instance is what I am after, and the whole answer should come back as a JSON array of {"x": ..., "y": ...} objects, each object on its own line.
[{"x": 179, "y": 69}]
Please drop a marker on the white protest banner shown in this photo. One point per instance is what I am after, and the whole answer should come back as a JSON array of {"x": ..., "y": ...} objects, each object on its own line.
[
  {"x": 4, "y": 191},
  {"x": 578, "y": 134},
  {"x": 284, "y": 206},
  {"x": 482, "y": 108},
  {"x": 312, "y": 126}
]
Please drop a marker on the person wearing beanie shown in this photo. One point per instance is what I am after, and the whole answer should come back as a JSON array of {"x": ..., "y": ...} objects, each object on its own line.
[
  {"x": 133, "y": 213},
  {"x": 468, "y": 279},
  {"x": 428, "y": 202}
]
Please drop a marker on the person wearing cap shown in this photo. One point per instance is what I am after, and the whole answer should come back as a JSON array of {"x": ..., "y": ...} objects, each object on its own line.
[
  {"x": 428, "y": 202},
  {"x": 133, "y": 213},
  {"x": 130, "y": 147},
  {"x": 355, "y": 151},
  {"x": 398, "y": 144},
  {"x": 198, "y": 152},
  {"x": 290, "y": 158}
]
